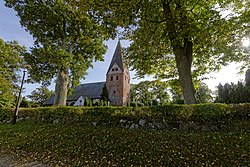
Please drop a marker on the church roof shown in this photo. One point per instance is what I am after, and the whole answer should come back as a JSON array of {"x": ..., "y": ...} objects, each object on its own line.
[
  {"x": 50, "y": 101},
  {"x": 90, "y": 90},
  {"x": 117, "y": 58}
]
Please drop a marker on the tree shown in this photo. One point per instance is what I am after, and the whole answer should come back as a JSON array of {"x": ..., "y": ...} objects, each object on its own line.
[
  {"x": 203, "y": 93},
  {"x": 24, "y": 103},
  {"x": 219, "y": 97},
  {"x": 133, "y": 92},
  {"x": 184, "y": 38},
  {"x": 141, "y": 93},
  {"x": 68, "y": 38},
  {"x": 105, "y": 96},
  {"x": 175, "y": 91},
  {"x": 149, "y": 92},
  {"x": 40, "y": 95},
  {"x": 10, "y": 61},
  {"x": 87, "y": 102},
  {"x": 233, "y": 93},
  {"x": 247, "y": 77},
  {"x": 160, "y": 92}
]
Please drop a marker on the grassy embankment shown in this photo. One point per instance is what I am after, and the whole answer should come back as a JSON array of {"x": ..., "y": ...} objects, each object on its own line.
[{"x": 82, "y": 144}]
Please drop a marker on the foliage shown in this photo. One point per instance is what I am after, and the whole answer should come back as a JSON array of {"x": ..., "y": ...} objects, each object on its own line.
[
  {"x": 64, "y": 145},
  {"x": 182, "y": 38},
  {"x": 159, "y": 92},
  {"x": 140, "y": 93},
  {"x": 175, "y": 90},
  {"x": 87, "y": 102},
  {"x": 66, "y": 135},
  {"x": 105, "y": 95},
  {"x": 203, "y": 93},
  {"x": 10, "y": 61},
  {"x": 40, "y": 95},
  {"x": 68, "y": 38},
  {"x": 147, "y": 92},
  {"x": 172, "y": 115},
  {"x": 136, "y": 104},
  {"x": 5, "y": 113},
  {"x": 24, "y": 103},
  {"x": 233, "y": 93}
]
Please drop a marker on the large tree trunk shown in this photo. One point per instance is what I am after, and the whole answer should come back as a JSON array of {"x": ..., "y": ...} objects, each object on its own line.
[
  {"x": 183, "y": 58},
  {"x": 61, "y": 88},
  {"x": 183, "y": 54}
]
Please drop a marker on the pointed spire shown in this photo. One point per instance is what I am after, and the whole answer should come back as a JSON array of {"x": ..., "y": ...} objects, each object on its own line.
[{"x": 117, "y": 57}]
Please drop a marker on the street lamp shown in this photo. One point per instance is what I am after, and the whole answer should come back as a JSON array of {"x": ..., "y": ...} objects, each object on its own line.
[{"x": 19, "y": 96}]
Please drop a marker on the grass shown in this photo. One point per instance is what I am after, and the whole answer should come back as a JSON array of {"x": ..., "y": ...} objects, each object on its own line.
[{"x": 72, "y": 145}]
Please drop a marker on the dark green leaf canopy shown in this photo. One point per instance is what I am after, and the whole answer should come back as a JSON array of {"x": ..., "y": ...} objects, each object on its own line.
[
  {"x": 182, "y": 38},
  {"x": 215, "y": 28},
  {"x": 66, "y": 33}
]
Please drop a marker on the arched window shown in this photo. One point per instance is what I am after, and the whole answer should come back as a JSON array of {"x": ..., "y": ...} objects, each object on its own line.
[
  {"x": 116, "y": 77},
  {"x": 111, "y": 78}
]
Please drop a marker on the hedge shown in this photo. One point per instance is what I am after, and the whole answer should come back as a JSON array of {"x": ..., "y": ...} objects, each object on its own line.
[{"x": 198, "y": 113}]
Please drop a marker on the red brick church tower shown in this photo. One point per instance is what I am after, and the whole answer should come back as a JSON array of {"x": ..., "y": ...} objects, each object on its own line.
[{"x": 118, "y": 80}]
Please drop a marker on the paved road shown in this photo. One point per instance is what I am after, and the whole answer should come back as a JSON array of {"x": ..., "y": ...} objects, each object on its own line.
[{"x": 8, "y": 161}]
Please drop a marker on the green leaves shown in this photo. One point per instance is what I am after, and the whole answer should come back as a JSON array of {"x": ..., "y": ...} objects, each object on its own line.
[
  {"x": 165, "y": 33},
  {"x": 150, "y": 92},
  {"x": 68, "y": 38},
  {"x": 40, "y": 95},
  {"x": 233, "y": 93},
  {"x": 10, "y": 62},
  {"x": 216, "y": 39}
]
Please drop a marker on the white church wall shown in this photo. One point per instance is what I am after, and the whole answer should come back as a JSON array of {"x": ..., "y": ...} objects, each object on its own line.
[
  {"x": 79, "y": 102},
  {"x": 115, "y": 69}
]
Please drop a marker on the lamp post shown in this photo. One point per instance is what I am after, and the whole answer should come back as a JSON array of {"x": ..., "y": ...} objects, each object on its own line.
[{"x": 19, "y": 97}]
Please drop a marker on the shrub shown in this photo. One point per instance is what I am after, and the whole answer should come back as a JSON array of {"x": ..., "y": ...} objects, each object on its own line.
[
  {"x": 136, "y": 104},
  {"x": 203, "y": 114},
  {"x": 5, "y": 113}
]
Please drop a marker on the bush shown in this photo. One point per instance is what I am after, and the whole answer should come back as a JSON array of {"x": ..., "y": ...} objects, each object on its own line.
[
  {"x": 136, "y": 104},
  {"x": 5, "y": 113},
  {"x": 203, "y": 114},
  {"x": 178, "y": 101},
  {"x": 206, "y": 113}
]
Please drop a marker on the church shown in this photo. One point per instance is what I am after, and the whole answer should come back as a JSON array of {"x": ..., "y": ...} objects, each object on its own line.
[{"x": 117, "y": 83}]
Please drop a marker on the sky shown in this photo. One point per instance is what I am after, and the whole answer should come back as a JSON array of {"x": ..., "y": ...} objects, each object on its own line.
[{"x": 10, "y": 29}]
